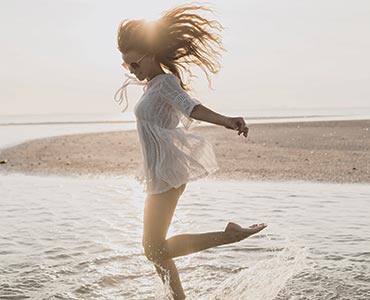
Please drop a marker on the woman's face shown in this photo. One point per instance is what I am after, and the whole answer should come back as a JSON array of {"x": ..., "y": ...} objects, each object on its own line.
[{"x": 138, "y": 64}]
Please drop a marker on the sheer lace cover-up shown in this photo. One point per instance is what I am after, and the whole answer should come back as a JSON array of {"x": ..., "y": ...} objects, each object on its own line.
[{"x": 171, "y": 155}]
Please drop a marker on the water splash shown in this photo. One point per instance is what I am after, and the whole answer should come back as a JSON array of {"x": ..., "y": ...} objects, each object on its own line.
[
  {"x": 264, "y": 279},
  {"x": 163, "y": 291}
]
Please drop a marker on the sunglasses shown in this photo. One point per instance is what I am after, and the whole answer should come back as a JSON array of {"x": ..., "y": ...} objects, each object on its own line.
[{"x": 134, "y": 65}]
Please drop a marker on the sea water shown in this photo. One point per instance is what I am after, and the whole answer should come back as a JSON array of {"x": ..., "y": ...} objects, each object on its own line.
[
  {"x": 20, "y": 128},
  {"x": 80, "y": 238}
]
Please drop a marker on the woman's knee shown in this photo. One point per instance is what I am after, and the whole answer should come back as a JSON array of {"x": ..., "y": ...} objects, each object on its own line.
[{"x": 155, "y": 252}]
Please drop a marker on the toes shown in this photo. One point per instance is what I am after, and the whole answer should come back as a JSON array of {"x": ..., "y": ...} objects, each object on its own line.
[{"x": 258, "y": 225}]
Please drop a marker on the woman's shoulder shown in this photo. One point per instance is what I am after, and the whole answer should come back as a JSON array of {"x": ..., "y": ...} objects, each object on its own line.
[
  {"x": 164, "y": 81},
  {"x": 168, "y": 77},
  {"x": 170, "y": 80},
  {"x": 158, "y": 79}
]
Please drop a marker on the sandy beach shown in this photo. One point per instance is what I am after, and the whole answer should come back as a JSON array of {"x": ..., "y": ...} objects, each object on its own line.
[{"x": 331, "y": 151}]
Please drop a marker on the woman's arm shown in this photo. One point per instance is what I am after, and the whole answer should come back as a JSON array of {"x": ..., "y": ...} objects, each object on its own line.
[{"x": 202, "y": 113}]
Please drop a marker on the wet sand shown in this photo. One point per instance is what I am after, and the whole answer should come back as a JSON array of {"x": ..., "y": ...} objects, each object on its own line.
[{"x": 331, "y": 151}]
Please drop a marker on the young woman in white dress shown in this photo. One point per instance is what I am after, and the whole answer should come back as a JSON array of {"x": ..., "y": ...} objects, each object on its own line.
[{"x": 156, "y": 53}]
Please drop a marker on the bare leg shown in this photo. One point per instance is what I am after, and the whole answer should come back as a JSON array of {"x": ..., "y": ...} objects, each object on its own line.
[
  {"x": 167, "y": 271},
  {"x": 184, "y": 244},
  {"x": 158, "y": 213}
]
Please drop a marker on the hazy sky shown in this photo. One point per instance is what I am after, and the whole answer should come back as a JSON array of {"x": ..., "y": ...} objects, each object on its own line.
[{"x": 61, "y": 56}]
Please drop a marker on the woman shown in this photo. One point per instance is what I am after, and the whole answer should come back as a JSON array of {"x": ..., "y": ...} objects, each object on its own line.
[{"x": 172, "y": 156}]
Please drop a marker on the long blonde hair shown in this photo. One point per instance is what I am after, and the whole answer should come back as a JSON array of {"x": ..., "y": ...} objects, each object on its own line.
[{"x": 179, "y": 38}]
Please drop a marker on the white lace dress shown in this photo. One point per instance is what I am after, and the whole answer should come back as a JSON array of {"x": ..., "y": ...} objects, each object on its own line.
[{"x": 171, "y": 155}]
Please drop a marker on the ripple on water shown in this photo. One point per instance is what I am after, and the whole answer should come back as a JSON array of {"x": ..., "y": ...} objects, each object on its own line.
[{"x": 81, "y": 239}]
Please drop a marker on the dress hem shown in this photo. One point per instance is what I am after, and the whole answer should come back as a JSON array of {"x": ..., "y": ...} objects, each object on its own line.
[{"x": 189, "y": 180}]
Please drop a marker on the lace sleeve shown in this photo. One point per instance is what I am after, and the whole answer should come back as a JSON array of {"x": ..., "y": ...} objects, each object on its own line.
[{"x": 172, "y": 92}]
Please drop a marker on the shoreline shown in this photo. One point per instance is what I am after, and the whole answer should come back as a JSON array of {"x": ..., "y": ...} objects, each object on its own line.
[
  {"x": 317, "y": 151},
  {"x": 255, "y": 120}
]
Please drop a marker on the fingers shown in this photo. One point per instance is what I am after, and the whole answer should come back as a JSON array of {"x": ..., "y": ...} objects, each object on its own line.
[
  {"x": 246, "y": 130},
  {"x": 242, "y": 127},
  {"x": 239, "y": 125}
]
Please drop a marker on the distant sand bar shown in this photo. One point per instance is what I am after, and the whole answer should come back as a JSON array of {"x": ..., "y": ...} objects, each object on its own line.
[{"x": 331, "y": 151}]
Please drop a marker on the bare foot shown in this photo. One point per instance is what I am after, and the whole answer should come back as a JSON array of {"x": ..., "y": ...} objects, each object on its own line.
[{"x": 238, "y": 233}]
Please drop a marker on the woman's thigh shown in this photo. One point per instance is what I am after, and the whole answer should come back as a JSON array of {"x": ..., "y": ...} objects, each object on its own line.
[{"x": 158, "y": 212}]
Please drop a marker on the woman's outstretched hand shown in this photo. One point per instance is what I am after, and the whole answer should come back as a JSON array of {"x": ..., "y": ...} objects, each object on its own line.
[{"x": 237, "y": 123}]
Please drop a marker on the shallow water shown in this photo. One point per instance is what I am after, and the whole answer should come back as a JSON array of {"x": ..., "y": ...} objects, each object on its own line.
[{"x": 80, "y": 238}]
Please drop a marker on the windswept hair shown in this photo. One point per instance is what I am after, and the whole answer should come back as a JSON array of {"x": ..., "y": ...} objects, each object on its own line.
[{"x": 179, "y": 38}]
